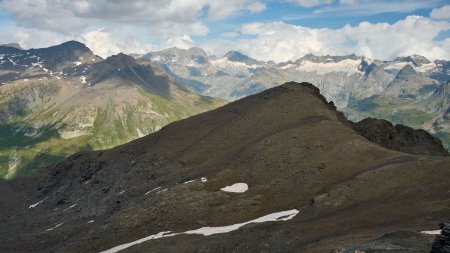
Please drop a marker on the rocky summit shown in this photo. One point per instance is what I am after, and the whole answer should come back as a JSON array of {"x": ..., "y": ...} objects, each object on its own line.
[{"x": 279, "y": 171}]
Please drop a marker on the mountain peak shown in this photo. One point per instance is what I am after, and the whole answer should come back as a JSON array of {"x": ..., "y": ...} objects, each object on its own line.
[
  {"x": 197, "y": 51},
  {"x": 236, "y": 56},
  {"x": 73, "y": 45},
  {"x": 13, "y": 45},
  {"x": 417, "y": 60}
]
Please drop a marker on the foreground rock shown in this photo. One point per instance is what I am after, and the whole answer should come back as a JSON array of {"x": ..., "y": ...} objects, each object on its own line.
[
  {"x": 400, "y": 137},
  {"x": 442, "y": 242},
  {"x": 314, "y": 185}
]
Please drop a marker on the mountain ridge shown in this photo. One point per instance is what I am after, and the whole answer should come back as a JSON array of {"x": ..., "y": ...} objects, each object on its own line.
[
  {"x": 288, "y": 144},
  {"x": 397, "y": 90}
]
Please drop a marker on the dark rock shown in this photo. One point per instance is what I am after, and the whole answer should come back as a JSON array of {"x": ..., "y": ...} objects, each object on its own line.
[
  {"x": 399, "y": 137},
  {"x": 442, "y": 242}
]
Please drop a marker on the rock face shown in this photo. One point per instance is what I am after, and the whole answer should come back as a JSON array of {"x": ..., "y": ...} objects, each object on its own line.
[
  {"x": 314, "y": 185},
  {"x": 442, "y": 242},
  {"x": 400, "y": 137}
]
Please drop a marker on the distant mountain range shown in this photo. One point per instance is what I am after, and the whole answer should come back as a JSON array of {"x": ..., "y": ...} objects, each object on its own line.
[
  {"x": 408, "y": 90},
  {"x": 64, "y": 99}
]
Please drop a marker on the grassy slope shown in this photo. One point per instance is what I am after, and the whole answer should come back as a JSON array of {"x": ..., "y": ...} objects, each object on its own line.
[{"x": 22, "y": 154}]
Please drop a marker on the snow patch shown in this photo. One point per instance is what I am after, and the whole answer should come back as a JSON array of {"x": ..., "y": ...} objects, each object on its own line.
[
  {"x": 78, "y": 63},
  {"x": 83, "y": 79},
  {"x": 348, "y": 66},
  {"x": 163, "y": 190},
  {"x": 432, "y": 232},
  {"x": 37, "y": 203},
  {"x": 91, "y": 221},
  {"x": 426, "y": 67},
  {"x": 159, "y": 187},
  {"x": 151, "y": 237},
  {"x": 190, "y": 181},
  {"x": 50, "y": 229},
  {"x": 70, "y": 207},
  {"x": 280, "y": 216},
  {"x": 206, "y": 231},
  {"x": 287, "y": 66},
  {"x": 234, "y": 66},
  {"x": 237, "y": 188}
]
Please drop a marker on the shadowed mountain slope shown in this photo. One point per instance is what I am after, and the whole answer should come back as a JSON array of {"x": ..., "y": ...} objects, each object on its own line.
[{"x": 293, "y": 150}]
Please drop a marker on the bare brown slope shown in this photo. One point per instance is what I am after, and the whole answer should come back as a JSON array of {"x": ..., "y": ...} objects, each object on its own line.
[{"x": 291, "y": 148}]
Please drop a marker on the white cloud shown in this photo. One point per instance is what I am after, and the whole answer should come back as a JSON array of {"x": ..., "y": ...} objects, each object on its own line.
[
  {"x": 100, "y": 42},
  {"x": 182, "y": 42},
  {"x": 256, "y": 7},
  {"x": 64, "y": 16},
  {"x": 279, "y": 41},
  {"x": 441, "y": 13},
  {"x": 310, "y": 3}
]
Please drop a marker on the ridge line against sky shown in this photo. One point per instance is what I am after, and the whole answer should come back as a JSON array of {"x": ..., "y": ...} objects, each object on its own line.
[{"x": 263, "y": 29}]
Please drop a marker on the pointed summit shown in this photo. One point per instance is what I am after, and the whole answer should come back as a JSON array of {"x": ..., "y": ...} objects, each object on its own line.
[{"x": 236, "y": 56}]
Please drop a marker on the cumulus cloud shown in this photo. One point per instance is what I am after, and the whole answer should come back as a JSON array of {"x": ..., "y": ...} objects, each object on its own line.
[
  {"x": 129, "y": 26},
  {"x": 65, "y": 16},
  {"x": 441, "y": 13},
  {"x": 279, "y": 41},
  {"x": 101, "y": 43},
  {"x": 182, "y": 42}
]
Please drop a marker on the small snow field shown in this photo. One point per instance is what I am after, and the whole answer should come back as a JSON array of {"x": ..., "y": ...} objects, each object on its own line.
[
  {"x": 431, "y": 232},
  {"x": 50, "y": 229},
  {"x": 37, "y": 203},
  {"x": 159, "y": 187},
  {"x": 206, "y": 231},
  {"x": 70, "y": 207},
  {"x": 236, "y": 188}
]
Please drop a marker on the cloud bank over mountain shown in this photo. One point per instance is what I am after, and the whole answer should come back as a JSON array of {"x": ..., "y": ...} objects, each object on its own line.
[{"x": 255, "y": 27}]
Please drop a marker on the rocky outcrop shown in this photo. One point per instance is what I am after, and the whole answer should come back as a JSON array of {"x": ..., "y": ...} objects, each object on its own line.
[
  {"x": 399, "y": 137},
  {"x": 442, "y": 242}
]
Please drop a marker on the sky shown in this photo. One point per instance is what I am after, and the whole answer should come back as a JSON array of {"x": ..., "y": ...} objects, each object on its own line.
[{"x": 269, "y": 30}]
